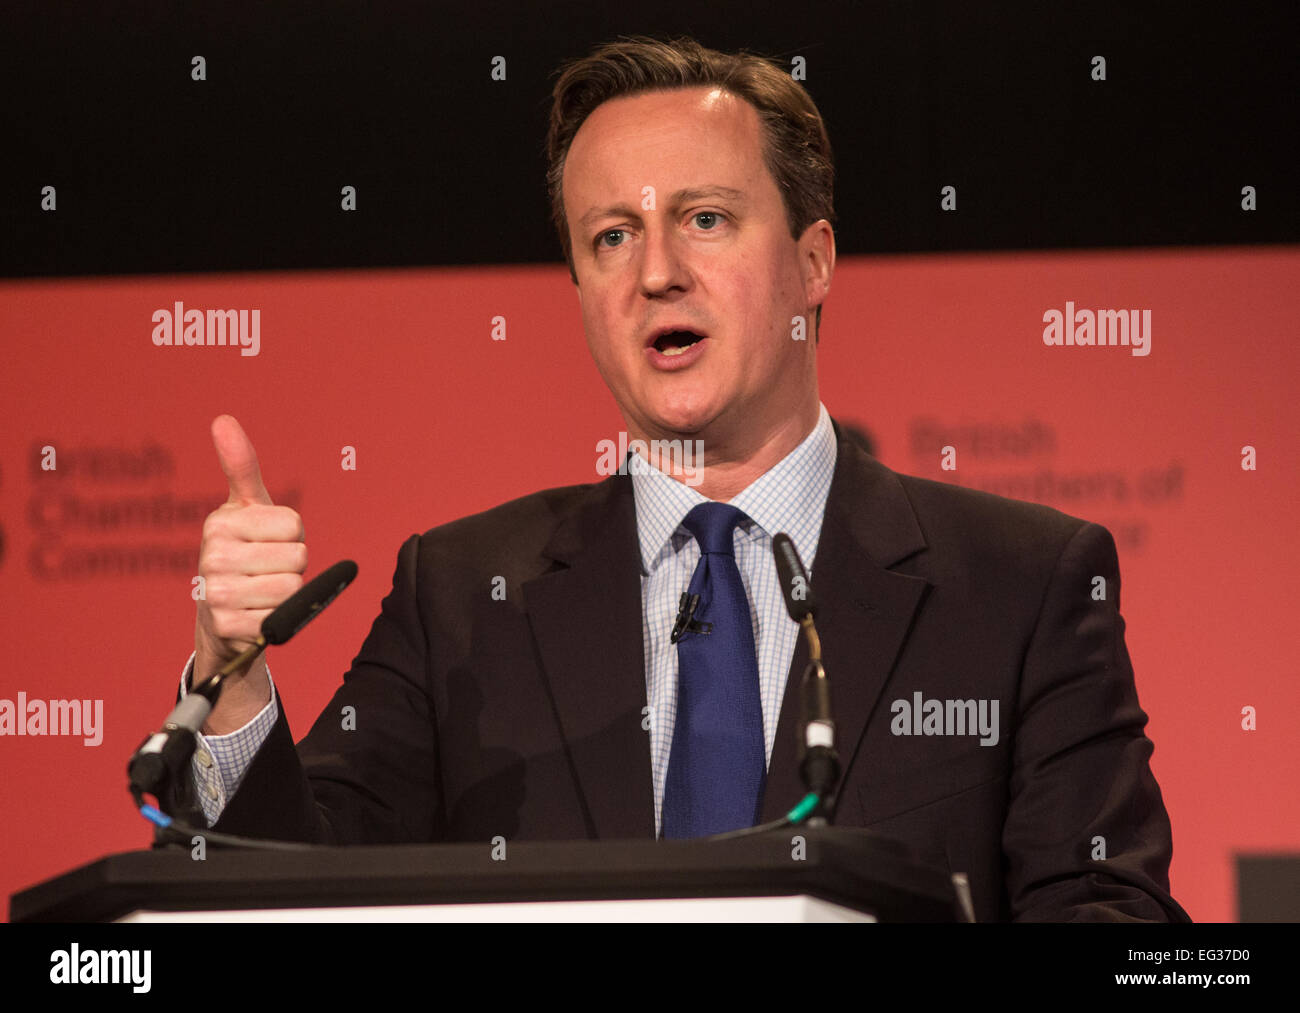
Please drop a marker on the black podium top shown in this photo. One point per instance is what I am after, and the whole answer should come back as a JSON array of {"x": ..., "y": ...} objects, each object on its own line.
[{"x": 853, "y": 868}]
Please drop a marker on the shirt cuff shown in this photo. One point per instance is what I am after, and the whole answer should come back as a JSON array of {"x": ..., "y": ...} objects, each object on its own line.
[{"x": 221, "y": 761}]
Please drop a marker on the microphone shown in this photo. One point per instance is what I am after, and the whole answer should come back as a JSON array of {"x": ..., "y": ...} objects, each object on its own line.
[
  {"x": 795, "y": 588},
  {"x": 164, "y": 752},
  {"x": 307, "y": 602},
  {"x": 686, "y": 621},
  {"x": 819, "y": 764}
]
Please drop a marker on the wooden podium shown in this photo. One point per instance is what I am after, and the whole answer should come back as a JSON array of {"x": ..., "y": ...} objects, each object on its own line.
[{"x": 796, "y": 874}]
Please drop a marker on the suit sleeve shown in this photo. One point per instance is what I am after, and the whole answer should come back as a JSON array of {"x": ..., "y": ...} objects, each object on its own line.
[
  {"x": 367, "y": 772},
  {"x": 1087, "y": 837}
]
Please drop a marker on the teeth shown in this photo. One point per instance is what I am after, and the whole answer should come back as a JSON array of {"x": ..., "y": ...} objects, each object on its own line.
[{"x": 668, "y": 348}]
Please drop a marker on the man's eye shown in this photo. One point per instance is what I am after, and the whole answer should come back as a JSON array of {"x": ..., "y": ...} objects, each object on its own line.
[
  {"x": 600, "y": 240},
  {"x": 707, "y": 219}
]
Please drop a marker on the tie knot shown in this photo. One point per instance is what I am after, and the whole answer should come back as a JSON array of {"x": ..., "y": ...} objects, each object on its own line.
[{"x": 712, "y": 525}]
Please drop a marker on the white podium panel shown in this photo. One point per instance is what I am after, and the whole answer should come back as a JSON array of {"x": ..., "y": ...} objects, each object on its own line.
[{"x": 696, "y": 909}]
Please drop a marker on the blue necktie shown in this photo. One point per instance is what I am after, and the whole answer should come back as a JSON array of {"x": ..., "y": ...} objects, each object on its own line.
[{"x": 717, "y": 767}]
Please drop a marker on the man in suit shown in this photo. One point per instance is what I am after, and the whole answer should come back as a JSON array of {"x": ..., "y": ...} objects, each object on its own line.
[{"x": 985, "y": 705}]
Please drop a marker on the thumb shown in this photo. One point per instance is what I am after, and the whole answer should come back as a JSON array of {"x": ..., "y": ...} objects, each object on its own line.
[{"x": 239, "y": 462}]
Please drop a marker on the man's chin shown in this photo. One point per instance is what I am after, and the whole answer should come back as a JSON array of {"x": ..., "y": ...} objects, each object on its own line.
[
  {"x": 685, "y": 408},
  {"x": 681, "y": 421}
]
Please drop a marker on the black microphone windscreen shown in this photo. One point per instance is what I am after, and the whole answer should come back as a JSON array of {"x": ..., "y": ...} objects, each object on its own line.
[
  {"x": 796, "y": 591},
  {"x": 306, "y": 603}
]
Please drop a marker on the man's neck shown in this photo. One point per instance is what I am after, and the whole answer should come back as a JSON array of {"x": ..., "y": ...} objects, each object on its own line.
[{"x": 731, "y": 467}]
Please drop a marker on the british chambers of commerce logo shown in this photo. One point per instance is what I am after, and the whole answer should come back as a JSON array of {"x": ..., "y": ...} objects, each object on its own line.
[{"x": 99, "y": 509}]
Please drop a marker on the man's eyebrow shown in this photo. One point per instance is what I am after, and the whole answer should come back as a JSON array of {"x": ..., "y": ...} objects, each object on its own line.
[
  {"x": 677, "y": 198},
  {"x": 705, "y": 192}
]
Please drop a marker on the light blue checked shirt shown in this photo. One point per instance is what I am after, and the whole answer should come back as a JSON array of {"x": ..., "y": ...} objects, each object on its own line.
[{"x": 790, "y": 497}]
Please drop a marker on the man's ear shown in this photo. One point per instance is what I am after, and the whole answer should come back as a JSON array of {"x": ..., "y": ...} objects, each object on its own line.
[{"x": 817, "y": 256}]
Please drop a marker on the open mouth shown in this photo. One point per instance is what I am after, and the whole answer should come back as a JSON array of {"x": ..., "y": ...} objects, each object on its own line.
[{"x": 676, "y": 342}]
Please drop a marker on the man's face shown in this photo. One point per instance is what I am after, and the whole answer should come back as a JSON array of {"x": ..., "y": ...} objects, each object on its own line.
[{"x": 676, "y": 223}]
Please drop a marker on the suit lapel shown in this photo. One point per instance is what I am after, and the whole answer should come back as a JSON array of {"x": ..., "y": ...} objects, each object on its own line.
[
  {"x": 586, "y": 618},
  {"x": 864, "y": 615}
]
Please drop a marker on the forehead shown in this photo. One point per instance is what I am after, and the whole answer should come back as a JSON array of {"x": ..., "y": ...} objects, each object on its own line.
[{"x": 688, "y": 136}]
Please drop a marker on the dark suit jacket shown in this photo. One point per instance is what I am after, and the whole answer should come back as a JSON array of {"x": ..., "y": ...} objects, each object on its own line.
[{"x": 477, "y": 717}]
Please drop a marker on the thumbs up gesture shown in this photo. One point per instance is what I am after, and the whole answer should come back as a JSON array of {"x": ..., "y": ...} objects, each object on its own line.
[{"x": 251, "y": 559}]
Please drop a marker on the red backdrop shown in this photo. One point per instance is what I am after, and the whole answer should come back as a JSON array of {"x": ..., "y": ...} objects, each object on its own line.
[{"x": 402, "y": 366}]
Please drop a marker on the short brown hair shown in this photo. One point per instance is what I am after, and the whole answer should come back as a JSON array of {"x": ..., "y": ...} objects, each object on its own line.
[{"x": 796, "y": 148}]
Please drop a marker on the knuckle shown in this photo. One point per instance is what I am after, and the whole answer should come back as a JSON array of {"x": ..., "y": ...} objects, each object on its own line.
[
  {"x": 224, "y": 624},
  {"x": 214, "y": 560},
  {"x": 217, "y": 531},
  {"x": 216, "y": 516},
  {"x": 220, "y": 517}
]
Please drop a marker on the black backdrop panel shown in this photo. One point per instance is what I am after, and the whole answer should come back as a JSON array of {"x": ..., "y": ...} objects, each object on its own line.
[{"x": 156, "y": 172}]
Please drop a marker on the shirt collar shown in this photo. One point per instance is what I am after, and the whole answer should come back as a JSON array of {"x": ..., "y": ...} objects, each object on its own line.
[{"x": 789, "y": 497}]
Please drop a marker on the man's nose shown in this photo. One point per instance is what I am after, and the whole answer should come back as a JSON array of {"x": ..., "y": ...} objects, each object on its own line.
[{"x": 663, "y": 267}]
